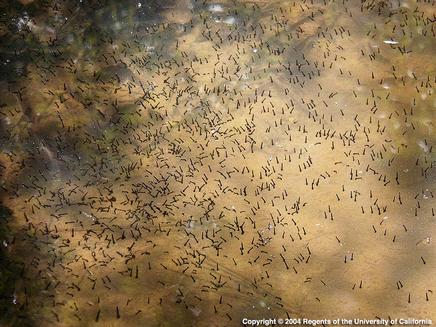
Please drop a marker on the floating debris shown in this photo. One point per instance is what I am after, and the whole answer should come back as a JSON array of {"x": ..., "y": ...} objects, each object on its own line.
[{"x": 390, "y": 42}]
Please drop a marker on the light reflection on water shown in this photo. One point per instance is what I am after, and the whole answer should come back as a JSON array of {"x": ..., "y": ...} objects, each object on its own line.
[{"x": 190, "y": 163}]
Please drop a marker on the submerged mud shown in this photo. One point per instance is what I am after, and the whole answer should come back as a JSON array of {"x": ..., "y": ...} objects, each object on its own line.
[{"x": 187, "y": 163}]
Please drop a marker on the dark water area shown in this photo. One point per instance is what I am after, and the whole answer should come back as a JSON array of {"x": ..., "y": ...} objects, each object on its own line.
[{"x": 197, "y": 163}]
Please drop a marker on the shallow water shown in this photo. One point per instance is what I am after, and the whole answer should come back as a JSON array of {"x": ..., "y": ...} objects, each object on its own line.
[{"x": 185, "y": 163}]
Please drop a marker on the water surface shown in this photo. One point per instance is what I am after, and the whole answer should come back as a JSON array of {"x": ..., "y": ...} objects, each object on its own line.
[{"x": 187, "y": 163}]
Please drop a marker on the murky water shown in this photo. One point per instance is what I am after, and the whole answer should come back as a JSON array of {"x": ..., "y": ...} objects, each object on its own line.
[{"x": 187, "y": 163}]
